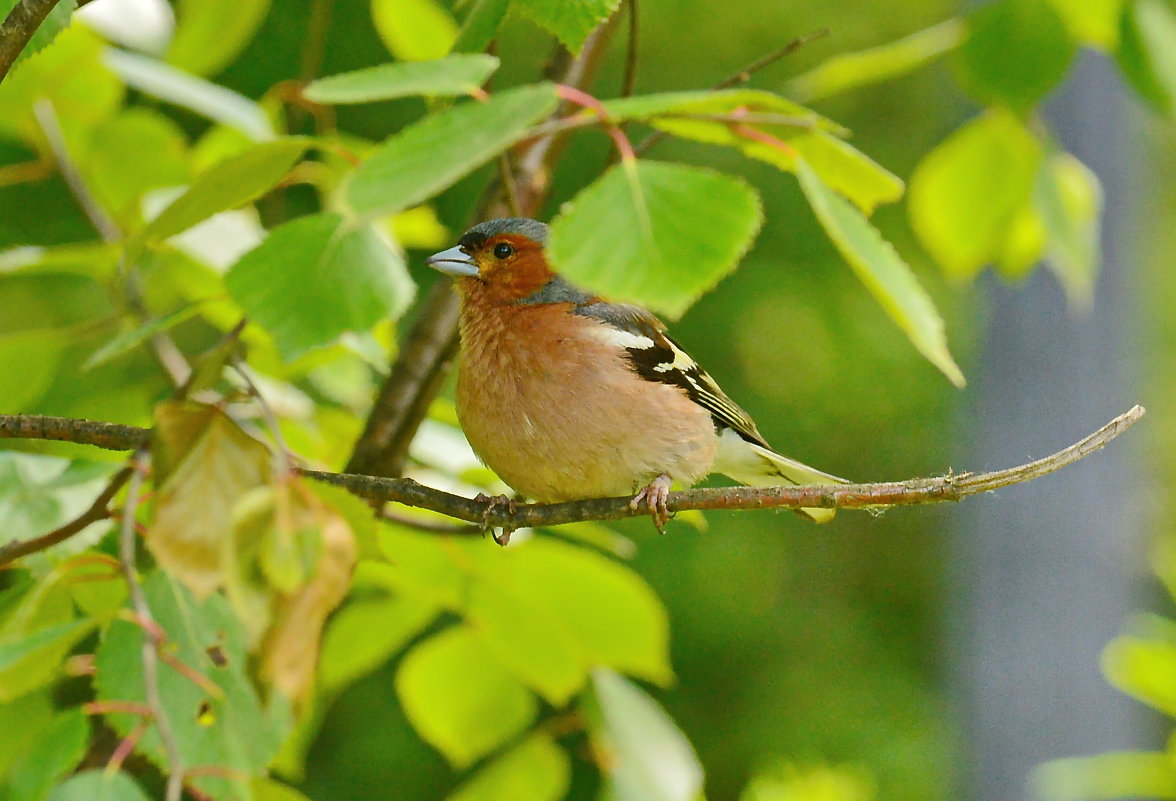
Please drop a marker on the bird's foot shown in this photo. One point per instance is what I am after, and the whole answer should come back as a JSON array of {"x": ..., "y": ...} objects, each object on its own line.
[
  {"x": 494, "y": 502},
  {"x": 654, "y": 497}
]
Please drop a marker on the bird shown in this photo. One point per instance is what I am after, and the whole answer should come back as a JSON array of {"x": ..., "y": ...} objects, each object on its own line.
[{"x": 567, "y": 396}]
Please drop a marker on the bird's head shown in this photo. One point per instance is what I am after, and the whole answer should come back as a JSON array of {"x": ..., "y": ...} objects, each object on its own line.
[{"x": 500, "y": 258}]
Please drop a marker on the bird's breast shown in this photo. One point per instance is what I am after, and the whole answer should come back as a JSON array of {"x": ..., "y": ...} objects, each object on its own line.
[{"x": 561, "y": 416}]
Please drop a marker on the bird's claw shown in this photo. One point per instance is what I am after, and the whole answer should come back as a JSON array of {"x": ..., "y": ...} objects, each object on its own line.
[
  {"x": 494, "y": 502},
  {"x": 654, "y": 497}
]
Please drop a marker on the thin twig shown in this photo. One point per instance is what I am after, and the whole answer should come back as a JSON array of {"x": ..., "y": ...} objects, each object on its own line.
[
  {"x": 169, "y": 355},
  {"x": 18, "y": 27},
  {"x": 509, "y": 188},
  {"x": 152, "y": 635},
  {"x": 952, "y": 487},
  {"x": 99, "y": 510},
  {"x": 743, "y": 76},
  {"x": 630, "y": 78},
  {"x": 46, "y": 116},
  {"x": 280, "y": 451}
]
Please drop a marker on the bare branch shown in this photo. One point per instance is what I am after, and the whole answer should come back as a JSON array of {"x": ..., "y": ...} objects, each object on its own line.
[
  {"x": 743, "y": 76},
  {"x": 99, "y": 510},
  {"x": 767, "y": 60},
  {"x": 952, "y": 487},
  {"x": 18, "y": 27},
  {"x": 108, "y": 436},
  {"x": 152, "y": 634}
]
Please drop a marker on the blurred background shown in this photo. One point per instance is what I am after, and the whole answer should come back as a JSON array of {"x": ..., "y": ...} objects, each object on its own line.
[{"x": 926, "y": 653}]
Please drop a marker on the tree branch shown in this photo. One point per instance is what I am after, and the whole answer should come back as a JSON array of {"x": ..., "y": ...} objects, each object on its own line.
[
  {"x": 152, "y": 635},
  {"x": 18, "y": 27},
  {"x": 951, "y": 487}
]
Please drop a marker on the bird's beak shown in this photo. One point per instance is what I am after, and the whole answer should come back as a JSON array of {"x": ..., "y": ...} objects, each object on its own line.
[{"x": 453, "y": 262}]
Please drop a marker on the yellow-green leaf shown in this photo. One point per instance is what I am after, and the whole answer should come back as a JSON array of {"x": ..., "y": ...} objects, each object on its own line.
[
  {"x": 848, "y": 71},
  {"x": 535, "y": 770},
  {"x": 883, "y": 272},
  {"x": 966, "y": 192},
  {"x": 570, "y": 20},
  {"x": 211, "y": 33},
  {"x": 465, "y": 716},
  {"x": 1069, "y": 198},
  {"x": 414, "y": 30}
]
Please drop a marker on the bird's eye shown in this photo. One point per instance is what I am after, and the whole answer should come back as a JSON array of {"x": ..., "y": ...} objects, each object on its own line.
[{"x": 503, "y": 251}]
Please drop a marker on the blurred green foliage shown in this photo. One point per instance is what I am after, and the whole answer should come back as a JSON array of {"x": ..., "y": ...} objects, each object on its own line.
[{"x": 152, "y": 199}]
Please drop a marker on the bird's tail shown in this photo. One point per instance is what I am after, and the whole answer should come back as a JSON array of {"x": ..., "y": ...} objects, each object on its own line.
[{"x": 757, "y": 466}]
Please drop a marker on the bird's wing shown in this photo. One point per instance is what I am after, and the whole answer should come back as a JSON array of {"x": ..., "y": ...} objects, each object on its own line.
[{"x": 657, "y": 357}]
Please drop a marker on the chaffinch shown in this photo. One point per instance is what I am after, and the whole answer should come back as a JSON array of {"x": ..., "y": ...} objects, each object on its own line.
[{"x": 567, "y": 396}]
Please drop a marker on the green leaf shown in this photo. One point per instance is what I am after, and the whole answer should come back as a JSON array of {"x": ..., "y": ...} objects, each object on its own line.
[
  {"x": 317, "y": 277},
  {"x": 56, "y": 753},
  {"x": 1144, "y": 669},
  {"x": 30, "y": 360},
  {"x": 481, "y": 25},
  {"x": 72, "y": 77},
  {"x": 690, "y": 115},
  {"x": 211, "y": 33},
  {"x": 218, "y": 721},
  {"x": 463, "y": 718},
  {"x": 265, "y": 789},
  {"x": 30, "y": 661},
  {"x": 570, "y": 20},
  {"x": 36, "y": 712},
  {"x": 1124, "y": 774},
  {"x": 414, "y": 30},
  {"x": 646, "y": 757},
  {"x": 723, "y": 101},
  {"x": 535, "y": 770},
  {"x": 436, "y": 152},
  {"x": 98, "y": 785},
  {"x": 605, "y": 609},
  {"x": 1016, "y": 52},
  {"x": 116, "y": 171},
  {"x": 1092, "y": 22},
  {"x": 1147, "y": 52},
  {"x": 883, "y": 272},
  {"x": 848, "y": 71},
  {"x": 165, "y": 82},
  {"x": 54, "y": 23},
  {"x": 39, "y": 493},
  {"x": 530, "y": 640},
  {"x": 461, "y": 74},
  {"x": 966, "y": 192},
  {"x": 674, "y": 231},
  {"x": 131, "y": 338},
  {"x": 228, "y": 184},
  {"x": 366, "y": 633},
  {"x": 1069, "y": 198}
]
